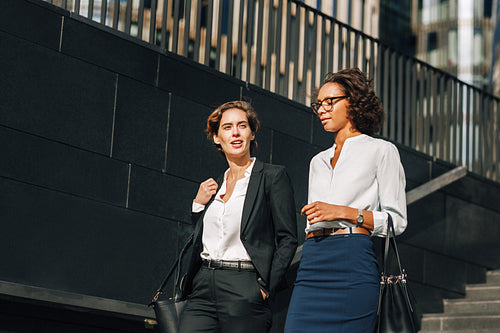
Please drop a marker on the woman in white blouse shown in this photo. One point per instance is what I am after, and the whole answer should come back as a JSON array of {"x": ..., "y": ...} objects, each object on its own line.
[
  {"x": 245, "y": 233},
  {"x": 353, "y": 188}
]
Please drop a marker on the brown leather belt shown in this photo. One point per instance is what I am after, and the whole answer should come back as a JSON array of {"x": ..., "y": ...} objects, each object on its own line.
[{"x": 325, "y": 232}]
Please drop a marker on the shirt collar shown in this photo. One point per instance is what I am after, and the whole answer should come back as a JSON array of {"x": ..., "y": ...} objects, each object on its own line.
[
  {"x": 331, "y": 151},
  {"x": 248, "y": 171}
]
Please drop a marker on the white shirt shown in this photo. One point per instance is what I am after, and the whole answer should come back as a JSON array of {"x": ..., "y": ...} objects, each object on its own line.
[
  {"x": 368, "y": 175},
  {"x": 222, "y": 222}
]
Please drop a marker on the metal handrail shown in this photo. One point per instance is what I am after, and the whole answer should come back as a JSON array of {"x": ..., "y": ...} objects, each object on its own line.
[{"x": 286, "y": 47}]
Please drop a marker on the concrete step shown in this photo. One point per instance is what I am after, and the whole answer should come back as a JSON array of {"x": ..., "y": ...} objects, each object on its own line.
[
  {"x": 460, "y": 322},
  {"x": 482, "y": 292},
  {"x": 493, "y": 278},
  {"x": 463, "y": 331},
  {"x": 466, "y": 306}
]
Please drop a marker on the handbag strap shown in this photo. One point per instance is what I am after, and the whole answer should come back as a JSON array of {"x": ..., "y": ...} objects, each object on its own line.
[
  {"x": 171, "y": 270},
  {"x": 177, "y": 263},
  {"x": 391, "y": 239}
]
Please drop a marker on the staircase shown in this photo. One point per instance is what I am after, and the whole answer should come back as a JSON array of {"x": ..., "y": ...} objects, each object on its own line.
[{"x": 478, "y": 312}]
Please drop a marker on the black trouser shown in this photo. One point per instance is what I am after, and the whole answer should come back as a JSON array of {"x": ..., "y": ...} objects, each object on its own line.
[{"x": 226, "y": 301}]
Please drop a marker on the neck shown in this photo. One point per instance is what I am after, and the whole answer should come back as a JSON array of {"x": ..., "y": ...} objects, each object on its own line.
[
  {"x": 345, "y": 134},
  {"x": 237, "y": 167}
]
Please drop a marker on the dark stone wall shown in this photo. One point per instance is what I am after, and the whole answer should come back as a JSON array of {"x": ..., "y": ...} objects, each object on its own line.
[{"x": 103, "y": 149}]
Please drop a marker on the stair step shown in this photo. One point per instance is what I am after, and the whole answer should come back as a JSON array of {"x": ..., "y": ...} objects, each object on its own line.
[
  {"x": 440, "y": 322},
  {"x": 463, "y": 331},
  {"x": 466, "y": 306},
  {"x": 493, "y": 278},
  {"x": 482, "y": 292}
]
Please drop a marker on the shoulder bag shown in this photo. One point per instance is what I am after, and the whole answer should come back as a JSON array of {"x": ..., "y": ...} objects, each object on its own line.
[
  {"x": 168, "y": 311},
  {"x": 396, "y": 310}
]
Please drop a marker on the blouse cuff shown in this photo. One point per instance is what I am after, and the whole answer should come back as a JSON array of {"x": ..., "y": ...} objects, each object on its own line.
[
  {"x": 196, "y": 207},
  {"x": 379, "y": 223}
]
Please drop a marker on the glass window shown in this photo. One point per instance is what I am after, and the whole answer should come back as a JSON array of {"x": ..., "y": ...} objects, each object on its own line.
[
  {"x": 478, "y": 47},
  {"x": 452, "y": 47},
  {"x": 431, "y": 41},
  {"x": 478, "y": 9},
  {"x": 488, "y": 7}
]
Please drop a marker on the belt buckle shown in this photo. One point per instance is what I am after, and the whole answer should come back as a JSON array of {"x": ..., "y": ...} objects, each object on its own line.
[{"x": 210, "y": 266}]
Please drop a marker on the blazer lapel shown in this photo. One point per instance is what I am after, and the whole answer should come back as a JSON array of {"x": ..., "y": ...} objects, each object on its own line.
[{"x": 252, "y": 190}]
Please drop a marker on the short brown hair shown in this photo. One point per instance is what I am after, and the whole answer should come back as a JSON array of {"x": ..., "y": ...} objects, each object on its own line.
[
  {"x": 365, "y": 109},
  {"x": 213, "y": 121}
]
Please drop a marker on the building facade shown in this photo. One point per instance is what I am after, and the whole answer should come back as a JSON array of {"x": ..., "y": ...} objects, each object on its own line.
[{"x": 455, "y": 36}]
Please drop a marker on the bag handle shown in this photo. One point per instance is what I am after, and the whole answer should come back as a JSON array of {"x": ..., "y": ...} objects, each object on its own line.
[
  {"x": 391, "y": 239},
  {"x": 386, "y": 278},
  {"x": 171, "y": 271},
  {"x": 184, "y": 248}
]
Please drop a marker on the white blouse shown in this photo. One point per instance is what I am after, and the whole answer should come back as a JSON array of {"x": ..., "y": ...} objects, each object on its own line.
[
  {"x": 368, "y": 175},
  {"x": 222, "y": 222}
]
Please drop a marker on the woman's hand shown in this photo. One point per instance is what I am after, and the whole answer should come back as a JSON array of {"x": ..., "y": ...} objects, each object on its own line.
[
  {"x": 320, "y": 211},
  {"x": 264, "y": 294},
  {"x": 206, "y": 190}
]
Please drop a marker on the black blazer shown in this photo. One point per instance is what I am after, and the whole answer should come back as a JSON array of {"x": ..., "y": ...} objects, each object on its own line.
[{"x": 268, "y": 227}]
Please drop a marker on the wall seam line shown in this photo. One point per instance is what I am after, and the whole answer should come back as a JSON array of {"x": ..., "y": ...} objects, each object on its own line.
[{"x": 114, "y": 118}]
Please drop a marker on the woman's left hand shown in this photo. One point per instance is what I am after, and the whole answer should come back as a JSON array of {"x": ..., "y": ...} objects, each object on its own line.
[
  {"x": 321, "y": 211},
  {"x": 264, "y": 294}
]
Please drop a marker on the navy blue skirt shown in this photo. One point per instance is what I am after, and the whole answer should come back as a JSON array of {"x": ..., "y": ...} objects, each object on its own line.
[{"x": 337, "y": 286}]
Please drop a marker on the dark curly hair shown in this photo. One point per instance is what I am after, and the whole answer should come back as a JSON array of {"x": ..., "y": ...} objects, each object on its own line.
[
  {"x": 365, "y": 109},
  {"x": 213, "y": 121}
]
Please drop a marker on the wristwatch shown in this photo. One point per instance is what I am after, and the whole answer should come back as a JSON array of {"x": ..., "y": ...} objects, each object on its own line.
[{"x": 359, "y": 219}]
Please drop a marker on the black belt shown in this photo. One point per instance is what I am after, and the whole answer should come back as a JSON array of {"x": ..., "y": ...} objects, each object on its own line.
[{"x": 229, "y": 264}]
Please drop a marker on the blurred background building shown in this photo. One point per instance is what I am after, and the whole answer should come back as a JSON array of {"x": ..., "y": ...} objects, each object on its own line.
[{"x": 455, "y": 36}]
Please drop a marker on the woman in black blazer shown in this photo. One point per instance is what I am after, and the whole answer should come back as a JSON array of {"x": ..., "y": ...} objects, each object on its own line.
[{"x": 245, "y": 233}]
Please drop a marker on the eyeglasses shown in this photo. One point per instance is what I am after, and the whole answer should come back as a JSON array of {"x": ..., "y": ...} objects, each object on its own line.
[{"x": 327, "y": 104}]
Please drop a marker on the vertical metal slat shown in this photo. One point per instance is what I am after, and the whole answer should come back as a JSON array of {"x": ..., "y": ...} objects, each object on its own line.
[
  {"x": 218, "y": 44},
  {"x": 277, "y": 48},
  {"x": 152, "y": 23},
  {"x": 314, "y": 52},
  {"x": 187, "y": 28},
  {"x": 140, "y": 19},
  {"x": 229, "y": 38},
  {"x": 305, "y": 56},
  {"x": 197, "y": 39},
  {"x": 400, "y": 93},
  {"x": 270, "y": 47},
  {"x": 163, "y": 42},
  {"x": 77, "y": 6},
  {"x": 116, "y": 13},
  {"x": 258, "y": 50},
  {"x": 128, "y": 16},
  {"x": 250, "y": 20},
  {"x": 385, "y": 90},
  {"x": 406, "y": 101},
  {"x": 104, "y": 11},
  {"x": 90, "y": 12},
  {"x": 175, "y": 30},
  {"x": 239, "y": 50},
  {"x": 288, "y": 49}
]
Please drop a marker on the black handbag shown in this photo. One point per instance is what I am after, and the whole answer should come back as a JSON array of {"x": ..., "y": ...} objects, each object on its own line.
[
  {"x": 168, "y": 311},
  {"x": 396, "y": 309}
]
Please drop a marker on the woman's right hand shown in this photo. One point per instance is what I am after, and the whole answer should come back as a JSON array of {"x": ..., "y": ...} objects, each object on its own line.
[{"x": 206, "y": 190}]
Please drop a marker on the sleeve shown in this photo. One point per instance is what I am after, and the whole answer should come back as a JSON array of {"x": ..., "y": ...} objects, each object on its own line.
[
  {"x": 196, "y": 207},
  {"x": 282, "y": 203},
  {"x": 392, "y": 182}
]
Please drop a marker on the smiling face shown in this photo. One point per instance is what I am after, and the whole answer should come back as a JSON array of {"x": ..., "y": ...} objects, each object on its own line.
[
  {"x": 336, "y": 119},
  {"x": 234, "y": 134}
]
